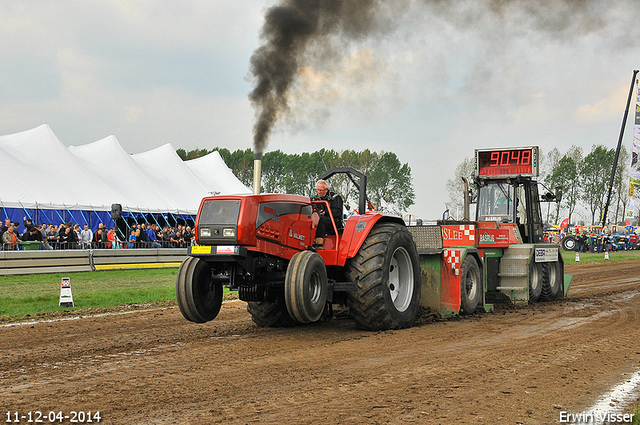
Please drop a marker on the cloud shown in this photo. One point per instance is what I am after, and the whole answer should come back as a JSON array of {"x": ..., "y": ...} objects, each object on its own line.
[
  {"x": 449, "y": 78},
  {"x": 605, "y": 108}
]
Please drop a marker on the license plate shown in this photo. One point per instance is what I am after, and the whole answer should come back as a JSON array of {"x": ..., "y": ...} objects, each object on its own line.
[{"x": 226, "y": 250}]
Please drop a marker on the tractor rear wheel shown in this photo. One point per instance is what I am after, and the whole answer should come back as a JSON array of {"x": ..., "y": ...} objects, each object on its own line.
[
  {"x": 569, "y": 243},
  {"x": 387, "y": 275},
  {"x": 271, "y": 314},
  {"x": 535, "y": 281},
  {"x": 306, "y": 287},
  {"x": 470, "y": 286},
  {"x": 198, "y": 296},
  {"x": 552, "y": 280}
]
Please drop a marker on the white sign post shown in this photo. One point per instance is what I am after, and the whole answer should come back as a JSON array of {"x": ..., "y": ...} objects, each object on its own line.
[{"x": 66, "y": 297}]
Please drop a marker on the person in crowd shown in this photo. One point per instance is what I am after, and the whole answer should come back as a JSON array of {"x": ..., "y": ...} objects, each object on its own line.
[
  {"x": 86, "y": 236},
  {"x": 599, "y": 239},
  {"x": 4, "y": 228},
  {"x": 45, "y": 231},
  {"x": 32, "y": 234},
  {"x": 133, "y": 238},
  {"x": 591, "y": 241},
  {"x": 152, "y": 238},
  {"x": 166, "y": 237},
  {"x": 103, "y": 236},
  {"x": 7, "y": 223},
  {"x": 187, "y": 236},
  {"x": 143, "y": 238},
  {"x": 176, "y": 240},
  {"x": 68, "y": 238},
  {"x": 582, "y": 242},
  {"x": 108, "y": 244},
  {"x": 325, "y": 227},
  {"x": 52, "y": 238},
  {"x": 160, "y": 235},
  {"x": 171, "y": 234},
  {"x": 97, "y": 239},
  {"x": 10, "y": 238},
  {"x": 28, "y": 223},
  {"x": 113, "y": 238}
]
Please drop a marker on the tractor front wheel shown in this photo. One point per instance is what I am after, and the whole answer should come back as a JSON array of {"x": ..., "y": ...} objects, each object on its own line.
[
  {"x": 306, "y": 287},
  {"x": 198, "y": 296},
  {"x": 387, "y": 275}
]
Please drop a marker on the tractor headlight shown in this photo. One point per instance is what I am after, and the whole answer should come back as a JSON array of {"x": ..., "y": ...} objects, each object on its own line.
[
  {"x": 229, "y": 232},
  {"x": 205, "y": 232}
]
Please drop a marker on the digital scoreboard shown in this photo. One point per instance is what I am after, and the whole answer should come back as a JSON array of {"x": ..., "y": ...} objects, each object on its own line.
[{"x": 506, "y": 162}]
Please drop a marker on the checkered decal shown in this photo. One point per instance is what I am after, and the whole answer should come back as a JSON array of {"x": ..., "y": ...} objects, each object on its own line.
[
  {"x": 452, "y": 257},
  {"x": 469, "y": 231}
]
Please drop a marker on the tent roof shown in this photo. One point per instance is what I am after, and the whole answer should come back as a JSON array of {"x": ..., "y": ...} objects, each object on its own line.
[
  {"x": 215, "y": 174},
  {"x": 107, "y": 158},
  {"x": 38, "y": 171},
  {"x": 43, "y": 171},
  {"x": 169, "y": 172}
]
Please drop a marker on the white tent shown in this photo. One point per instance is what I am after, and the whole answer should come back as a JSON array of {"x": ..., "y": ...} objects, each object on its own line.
[
  {"x": 107, "y": 159},
  {"x": 183, "y": 188},
  {"x": 39, "y": 173},
  {"x": 42, "y": 173},
  {"x": 215, "y": 174}
]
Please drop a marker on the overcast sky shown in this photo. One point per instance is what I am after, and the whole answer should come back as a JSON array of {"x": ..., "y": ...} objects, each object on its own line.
[{"x": 432, "y": 85}]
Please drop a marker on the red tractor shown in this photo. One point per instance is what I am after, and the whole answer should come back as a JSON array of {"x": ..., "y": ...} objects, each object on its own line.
[{"x": 260, "y": 245}]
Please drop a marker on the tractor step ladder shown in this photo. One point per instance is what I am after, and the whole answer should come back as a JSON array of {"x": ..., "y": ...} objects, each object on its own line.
[{"x": 514, "y": 272}]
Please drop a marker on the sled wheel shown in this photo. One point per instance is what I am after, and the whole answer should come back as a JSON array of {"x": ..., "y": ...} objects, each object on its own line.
[
  {"x": 552, "y": 280},
  {"x": 535, "y": 281},
  {"x": 470, "y": 286}
]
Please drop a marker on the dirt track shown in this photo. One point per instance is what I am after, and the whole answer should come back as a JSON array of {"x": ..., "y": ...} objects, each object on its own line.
[{"x": 510, "y": 366}]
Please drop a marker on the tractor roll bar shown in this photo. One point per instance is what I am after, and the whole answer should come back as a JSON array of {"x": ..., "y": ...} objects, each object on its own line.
[{"x": 362, "y": 187}]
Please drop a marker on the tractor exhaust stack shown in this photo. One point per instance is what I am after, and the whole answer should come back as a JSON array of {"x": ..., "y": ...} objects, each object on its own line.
[{"x": 257, "y": 173}]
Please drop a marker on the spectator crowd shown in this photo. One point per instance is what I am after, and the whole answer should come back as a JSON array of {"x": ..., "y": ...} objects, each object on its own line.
[{"x": 72, "y": 236}]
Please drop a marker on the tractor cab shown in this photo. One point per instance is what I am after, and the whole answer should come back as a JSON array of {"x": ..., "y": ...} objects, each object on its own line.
[
  {"x": 508, "y": 191},
  {"x": 512, "y": 201}
]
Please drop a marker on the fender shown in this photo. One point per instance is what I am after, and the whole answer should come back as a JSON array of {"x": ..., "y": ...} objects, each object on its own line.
[
  {"x": 450, "y": 294},
  {"x": 356, "y": 230}
]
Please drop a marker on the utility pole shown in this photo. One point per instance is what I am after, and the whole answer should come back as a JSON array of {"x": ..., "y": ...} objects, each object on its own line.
[{"x": 603, "y": 220}]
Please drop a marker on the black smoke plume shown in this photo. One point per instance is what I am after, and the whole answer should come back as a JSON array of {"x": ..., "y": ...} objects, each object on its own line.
[
  {"x": 290, "y": 30},
  {"x": 295, "y": 29}
]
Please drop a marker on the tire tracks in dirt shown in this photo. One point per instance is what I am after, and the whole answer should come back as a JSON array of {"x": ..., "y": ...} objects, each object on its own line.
[{"x": 513, "y": 365}]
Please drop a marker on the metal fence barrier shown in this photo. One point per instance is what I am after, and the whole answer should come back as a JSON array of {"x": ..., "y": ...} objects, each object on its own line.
[{"x": 27, "y": 261}]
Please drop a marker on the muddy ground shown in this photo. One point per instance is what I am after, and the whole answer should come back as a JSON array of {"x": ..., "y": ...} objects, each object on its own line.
[{"x": 510, "y": 366}]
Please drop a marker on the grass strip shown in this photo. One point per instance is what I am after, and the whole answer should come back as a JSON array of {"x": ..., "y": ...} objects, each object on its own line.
[
  {"x": 25, "y": 296},
  {"x": 31, "y": 295},
  {"x": 586, "y": 257}
]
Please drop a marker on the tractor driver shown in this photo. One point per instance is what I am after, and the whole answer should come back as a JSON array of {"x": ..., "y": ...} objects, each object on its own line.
[{"x": 335, "y": 205}]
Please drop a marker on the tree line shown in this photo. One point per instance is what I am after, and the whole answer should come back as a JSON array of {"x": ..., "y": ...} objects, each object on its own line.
[
  {"x": 584, "y": 180},
  {"x": 389, "y": 182}
]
